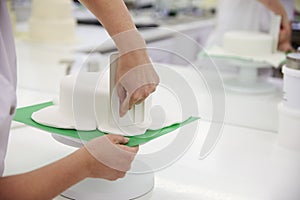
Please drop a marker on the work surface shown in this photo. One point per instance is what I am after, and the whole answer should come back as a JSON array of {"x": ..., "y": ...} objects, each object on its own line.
[{"x": 246, "y": 163}]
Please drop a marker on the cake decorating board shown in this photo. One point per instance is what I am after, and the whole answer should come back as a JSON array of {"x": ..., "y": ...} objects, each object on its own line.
[{"x": 23, "y": 115}]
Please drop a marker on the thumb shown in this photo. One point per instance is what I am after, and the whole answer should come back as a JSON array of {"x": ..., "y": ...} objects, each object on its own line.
[
  {"x": 124, "y": 106},
  {"x": 121, "y": 93},
  {"x": 122, "y": 100},
  {"x": 117, "y": 139}
]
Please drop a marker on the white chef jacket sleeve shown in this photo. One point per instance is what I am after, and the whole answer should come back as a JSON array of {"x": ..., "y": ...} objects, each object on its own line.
[{"x": 7, "y": 80}]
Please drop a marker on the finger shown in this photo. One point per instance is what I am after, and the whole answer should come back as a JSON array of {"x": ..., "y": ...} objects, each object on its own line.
[
  {"x": 124, "y": 106},
  {"x": 135, "y": 97},
  {"x": 121, "y": 93},
  {"x": 134, "y": 149},
  {"x": 117, "y": 139},
  {"x": 115, "y": 175},
  {"x": 139, "y": 102},
  {"x": 121, "y": 174},
  {"x": 141, "y": 94},
  {"x": 122, "y": 100},
  {"x": 151, "y": 88}
]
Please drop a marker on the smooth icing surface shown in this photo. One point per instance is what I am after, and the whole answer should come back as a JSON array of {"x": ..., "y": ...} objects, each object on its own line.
[
  {"x": 84, "y": 104},
  {"x": 248, "y": 43},
  {"x": 52, "y": 21}
]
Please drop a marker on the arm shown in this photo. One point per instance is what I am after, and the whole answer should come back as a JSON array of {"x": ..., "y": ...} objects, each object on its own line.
[
  {"x": 49, "y": 181},
  {"x": 285, "y": 31},
  {"x": 46, "y": 182},
  {"x": 276, "y": 7},
  {"x": 113, "y": 15},
  {"x": 116, "y": 19}
]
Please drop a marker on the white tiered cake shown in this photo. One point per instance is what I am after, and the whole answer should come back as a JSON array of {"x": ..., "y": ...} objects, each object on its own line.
[
  {"x": 248, "y": 51},
  {"x": 52, "y": 21},
  {"x": 249, "y": 46},
  {"x": 247, "y": 43}
]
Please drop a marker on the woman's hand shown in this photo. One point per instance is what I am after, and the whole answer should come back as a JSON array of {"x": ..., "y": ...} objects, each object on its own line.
[
  {"x": 136, "y": 79},
  {"x": 107, "y": 157},
  {"x": 284, "y": 43}
]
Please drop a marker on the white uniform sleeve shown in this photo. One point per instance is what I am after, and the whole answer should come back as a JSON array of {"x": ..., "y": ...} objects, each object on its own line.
[{"x": 7, "y": 80}]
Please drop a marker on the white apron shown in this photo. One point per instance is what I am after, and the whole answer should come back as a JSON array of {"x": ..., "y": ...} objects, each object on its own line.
[{"x": 7, "y": 80}]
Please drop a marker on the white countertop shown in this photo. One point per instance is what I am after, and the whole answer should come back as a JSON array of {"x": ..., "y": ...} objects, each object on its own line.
[{"x": 246, "y": 164}]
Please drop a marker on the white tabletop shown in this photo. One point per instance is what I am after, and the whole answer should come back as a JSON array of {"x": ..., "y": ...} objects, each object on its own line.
[{"x": 246, "y": 164}]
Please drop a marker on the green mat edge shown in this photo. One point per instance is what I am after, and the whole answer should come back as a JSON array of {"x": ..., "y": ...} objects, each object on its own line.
[{"x": 23, "y": 115}]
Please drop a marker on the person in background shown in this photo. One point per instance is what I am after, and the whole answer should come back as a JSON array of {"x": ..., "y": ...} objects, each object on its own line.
[
  {"x": 252, "y": 15},
  {"x": 49, "y": 181}
]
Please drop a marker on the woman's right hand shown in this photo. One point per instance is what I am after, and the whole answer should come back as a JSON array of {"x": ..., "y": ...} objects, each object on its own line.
[
  {"x": 285, "y": 33},
  {"x": 107, "y": 157}
]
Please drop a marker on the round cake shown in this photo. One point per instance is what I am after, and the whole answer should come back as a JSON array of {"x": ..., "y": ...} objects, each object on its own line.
[
  {"x": 84, "y": 104},
  {"x": 247, "y": 43}
]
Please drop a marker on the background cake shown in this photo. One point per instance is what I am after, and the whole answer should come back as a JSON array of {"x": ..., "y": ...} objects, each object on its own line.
[
  {"x": 248, "y": 46},
  {"x": 52, "y": 21},
  {"x": 248, "y": 43}
]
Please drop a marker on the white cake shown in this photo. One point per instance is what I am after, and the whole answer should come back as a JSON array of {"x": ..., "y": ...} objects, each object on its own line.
[
  {"x": 245, "y": 43},
  {"x": 52, "y": 21},
  {"x": 248, "y": 46},
  {"x": 84, "y": 104}
]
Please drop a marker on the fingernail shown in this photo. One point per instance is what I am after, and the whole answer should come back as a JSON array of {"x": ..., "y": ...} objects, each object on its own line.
[{"x": 126, "y": 140}]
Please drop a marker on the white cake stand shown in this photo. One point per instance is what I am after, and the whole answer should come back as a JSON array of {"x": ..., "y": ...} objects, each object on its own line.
[
  {"x": 131, "y": 186},
  {"x": 247, "y": 80}
]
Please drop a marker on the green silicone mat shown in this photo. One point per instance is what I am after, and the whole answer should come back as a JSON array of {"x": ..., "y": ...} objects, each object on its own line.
[{"x": 23, "y": 115}]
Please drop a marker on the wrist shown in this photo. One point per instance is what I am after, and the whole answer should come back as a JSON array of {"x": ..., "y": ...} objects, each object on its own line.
[
  {"x": 86, "y": 161},
  {"x": 134, "y": 58},
  {"x": 129, "y": 41}
]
